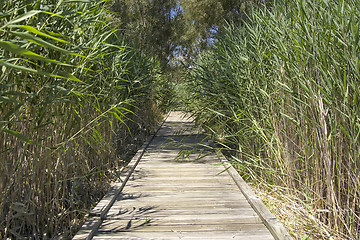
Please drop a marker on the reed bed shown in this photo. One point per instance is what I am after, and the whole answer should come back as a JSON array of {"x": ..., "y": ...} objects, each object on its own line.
[
  {"x": 280, "y": 92},
  {"x": 72, "y": 96}
]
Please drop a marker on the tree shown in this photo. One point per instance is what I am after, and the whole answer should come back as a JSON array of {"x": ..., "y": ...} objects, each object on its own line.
[
  {"x": 173, "y": 29},
  {"x": 150, "y": 25}
]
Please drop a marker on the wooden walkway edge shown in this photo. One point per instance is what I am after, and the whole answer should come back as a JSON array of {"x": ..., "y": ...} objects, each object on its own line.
[{"x": 177, "y": 187}]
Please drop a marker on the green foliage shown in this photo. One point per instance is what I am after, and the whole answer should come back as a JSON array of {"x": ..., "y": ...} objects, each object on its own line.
[
  {"x": 149, "y": 24},
  {"x": 281, "y": 94},
  {"x": 171, "y": 90},
  {"x": 173, "y": 28},
  {"x": 69, "y": 90},
  {"x": 201, "y": 19}
]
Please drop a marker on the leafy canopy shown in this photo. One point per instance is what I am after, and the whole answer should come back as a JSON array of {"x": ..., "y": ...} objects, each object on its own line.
[{"x": 175, "y": 30}]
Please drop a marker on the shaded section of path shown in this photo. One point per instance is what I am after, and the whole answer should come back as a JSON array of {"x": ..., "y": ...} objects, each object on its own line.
[{"x": 178, "y": 190}]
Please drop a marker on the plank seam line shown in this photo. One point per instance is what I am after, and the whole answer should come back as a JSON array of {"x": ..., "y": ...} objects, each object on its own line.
[
  {"x": 275, "y": 227},
  {"x": 136, "y": 159}
]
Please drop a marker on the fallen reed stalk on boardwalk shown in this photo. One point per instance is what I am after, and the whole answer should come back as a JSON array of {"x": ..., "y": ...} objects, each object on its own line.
[
  {"x": 71, "y": 95},
  {"x": 281, "y": 93}
]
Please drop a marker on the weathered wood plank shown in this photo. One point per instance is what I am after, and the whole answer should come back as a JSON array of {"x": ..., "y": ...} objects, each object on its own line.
[
  {"x": 110, "y": 226},
  {"x": 170, "y": 235},
  {"x": 193, "y": 193},
  {"x": 187, "y": 221},
  {"x": 183, "y": 213},
  {"x": 182, "y": 205}
]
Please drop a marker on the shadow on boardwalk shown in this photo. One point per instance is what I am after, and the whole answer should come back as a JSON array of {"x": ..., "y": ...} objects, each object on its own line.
[{"x": 178, "y": 190}]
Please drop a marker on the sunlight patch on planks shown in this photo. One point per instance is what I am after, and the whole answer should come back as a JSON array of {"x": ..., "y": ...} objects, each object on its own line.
[{"x": 178, "y": 190}]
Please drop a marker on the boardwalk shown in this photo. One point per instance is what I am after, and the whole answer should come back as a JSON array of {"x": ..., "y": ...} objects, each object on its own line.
[{"x": 178, "y": 190}]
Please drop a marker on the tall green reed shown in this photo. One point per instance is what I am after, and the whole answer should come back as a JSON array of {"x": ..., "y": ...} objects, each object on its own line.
[
  {"x": 281, "y": 93},
  {"x": 70, "y": 91}
]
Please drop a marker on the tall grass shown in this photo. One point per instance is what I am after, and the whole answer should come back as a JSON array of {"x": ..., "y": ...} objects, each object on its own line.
[
  {"x": 281, "y": 93},
  {"x": 70, "y": 92}
]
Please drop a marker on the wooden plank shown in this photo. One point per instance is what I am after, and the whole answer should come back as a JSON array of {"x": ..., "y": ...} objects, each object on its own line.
[
  {"x": 196, "y": 192},
  {"x": 110, "y": 226},
  {"x": 169, "y": 172},
  {"x": 193, "y": 179},
  {"x": 181, "y": 183},
  {"x": 174, "y": 220},
  {"x": 188, "y": 204},
  {"x": 170, "y": 235},
  {"x": 173, "y": 166},
  {"x": 224, "y": 218},
  {"x": 171, "y": 195},
  {"x": 178, "y": 188},
  {"x": 180, "y": 205},
  {"x": 121, "y": 212},
  {"x": 177, "y": 197}
]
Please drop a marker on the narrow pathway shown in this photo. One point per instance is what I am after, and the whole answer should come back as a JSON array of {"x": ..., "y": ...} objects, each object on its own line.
[{"x": 178, "y": 190}]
